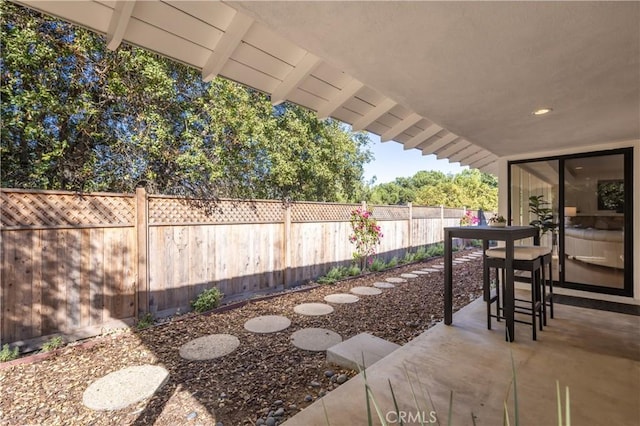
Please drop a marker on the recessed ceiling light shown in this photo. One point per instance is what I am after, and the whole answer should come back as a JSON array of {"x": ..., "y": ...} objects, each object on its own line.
[{"x": 542, "y": 111}]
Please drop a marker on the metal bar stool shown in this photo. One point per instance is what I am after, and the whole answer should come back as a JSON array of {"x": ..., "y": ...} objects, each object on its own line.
[{"x": 526, "y": 258}]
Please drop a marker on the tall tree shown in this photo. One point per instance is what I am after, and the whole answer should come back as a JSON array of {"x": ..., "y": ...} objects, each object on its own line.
[
  {"x": 79, "y": 117},
  {"x": 470, "y": 188}
]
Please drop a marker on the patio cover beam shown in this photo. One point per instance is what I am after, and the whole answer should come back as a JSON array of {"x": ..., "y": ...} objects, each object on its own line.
[
  {"x": 475, "y": 157},
  {"x": 467, "y": 152},
  {"x": 483, "y": 161},
  {"x": 297, "y": 75},
  {"x": 118, "y": 24},
  {"x": 422, "y": 136},
  {"x": 347, "y": 92},
  {"x": 433, "y": 147},
  {"x": 403, "y": 125},
  {"x": 375, "y": 113},
  {"x": 452, "y": 149},
  {"x": 231, "y": 38}
]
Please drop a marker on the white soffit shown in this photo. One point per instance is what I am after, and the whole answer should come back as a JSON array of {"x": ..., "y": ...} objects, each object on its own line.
[
  {"x": 220, "y": 40},
  {"x": 451, "y": 78}
]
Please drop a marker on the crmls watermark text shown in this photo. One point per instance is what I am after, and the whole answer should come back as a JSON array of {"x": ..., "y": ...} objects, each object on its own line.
[{"x": 411, "y": 417}]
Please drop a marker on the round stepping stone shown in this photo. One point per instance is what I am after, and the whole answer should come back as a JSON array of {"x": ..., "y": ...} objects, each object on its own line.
[
  {"x": 366, "y": 291},
  {"x": 383, "y": 285},
  {"x": 408, "y": 275},
  {"x": 341, "y": 298},
  {"x": 395, "y": 280},
  {"x": 267, "y": 324},
  {"x": 313, "y": 309},
  {"x": 432, "y": 270},
  {"x": 209, "y": 347},
  {"x": 420, "y": 272},
  {"x": 315, "y": 339},
  {"x": 124, "y": 387},
  {"x": 438, "y": 266}
]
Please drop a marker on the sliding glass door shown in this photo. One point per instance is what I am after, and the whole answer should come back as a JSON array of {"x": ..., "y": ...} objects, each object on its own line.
[{"x": 589, "y": 202}]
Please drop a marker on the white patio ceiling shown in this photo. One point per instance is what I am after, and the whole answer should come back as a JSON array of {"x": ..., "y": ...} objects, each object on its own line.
[{"x": 457, "y": 79}]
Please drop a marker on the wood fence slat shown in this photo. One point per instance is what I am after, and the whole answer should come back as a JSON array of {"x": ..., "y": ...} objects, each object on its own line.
[
  {"x": 85, "y": 282},
  {"x": 36, "y": 284},
  {"x": 49, "y": 272},
  {"x": 72, "y": 278},
  {"x": 59, "y": 302},
  {"x": 9, "y": 320},
  {"x": 96, "y": 277}
]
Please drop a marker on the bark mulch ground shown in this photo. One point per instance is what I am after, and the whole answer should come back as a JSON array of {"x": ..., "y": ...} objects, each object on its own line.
[{"x": 266, "y": 373}]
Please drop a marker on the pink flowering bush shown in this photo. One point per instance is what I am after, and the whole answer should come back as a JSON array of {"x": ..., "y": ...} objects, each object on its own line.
[
  {"x": 366, "y": 235},
  {"x": 469, "y": 219}
]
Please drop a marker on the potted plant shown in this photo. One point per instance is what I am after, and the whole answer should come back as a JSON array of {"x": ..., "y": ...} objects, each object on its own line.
[
  {"x": 497, "y": 221},
  {"x": 544, "y": 214}
]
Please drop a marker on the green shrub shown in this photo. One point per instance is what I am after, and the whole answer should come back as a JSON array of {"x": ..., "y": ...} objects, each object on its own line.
[
  {"x": 353, "y": 271},
  {"x": 408, "y": 258},
  {"x": 393, "y": 262},
  {"x": 145, "y": 321},
  {"x": 377, "y": 265},
  {"x": 53, "y": 344},
  {"x": 335, "y": 274},
  {"x": 435, "y": 250},
  {"x": 207, "y": 300},
  {"x": 8, "y": 354},
  {"x": 476, "y": 243},
  {"x": 420, "y": 254}
]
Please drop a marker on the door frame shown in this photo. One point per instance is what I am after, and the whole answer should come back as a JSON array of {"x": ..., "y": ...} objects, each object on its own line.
[{"x": 628, "y": 211}]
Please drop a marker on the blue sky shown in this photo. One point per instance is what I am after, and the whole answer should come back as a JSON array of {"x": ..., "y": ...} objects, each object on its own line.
[{"x": 392, "y": 161}]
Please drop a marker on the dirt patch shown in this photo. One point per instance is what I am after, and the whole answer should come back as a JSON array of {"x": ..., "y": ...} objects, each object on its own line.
[{"x": 266, "y": 374}]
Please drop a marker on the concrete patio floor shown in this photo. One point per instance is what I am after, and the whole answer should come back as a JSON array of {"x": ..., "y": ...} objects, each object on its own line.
[{"x": 595, "y": 353}]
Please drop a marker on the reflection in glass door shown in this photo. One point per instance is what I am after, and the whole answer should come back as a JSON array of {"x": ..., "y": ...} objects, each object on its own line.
[
  {"x": 594, "y": 189},
  {"x": 537, "y": 179},
  {"x": 591, "y": 199}
]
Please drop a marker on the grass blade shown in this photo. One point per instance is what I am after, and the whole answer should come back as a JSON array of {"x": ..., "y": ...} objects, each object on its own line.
[
  {"x": 559, "y": 403},
  {"x": 326, "y": 415},
  {"x": 506, "y": 414},
  {"x": 395, "y": 402},
  {"x": 415, "y": 398},
  {"x": 567, "y": 408},
  {"x": 515, "y": 390}
]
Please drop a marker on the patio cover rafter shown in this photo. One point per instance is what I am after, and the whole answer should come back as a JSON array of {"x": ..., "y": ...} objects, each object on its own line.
[
  {"x": 119, "y": 22},
  {"x": 467, "y": 152},
  {"x": 433, "y": 147},
  {"x": 347, "y": 92},
  {"x": 225, "y": 47},
  {"x": 452, "y": 148},
  {"x": 422, "y": 136},
  {"x": 297, "y": 75},
  {"x": 403, "y": 125},
  {"x": 382, "y": 108}
]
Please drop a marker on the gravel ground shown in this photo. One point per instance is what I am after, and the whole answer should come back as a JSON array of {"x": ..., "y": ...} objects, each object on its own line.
[{"x": 266, "y": 373}]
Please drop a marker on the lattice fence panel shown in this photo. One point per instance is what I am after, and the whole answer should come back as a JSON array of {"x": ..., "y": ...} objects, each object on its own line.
[
  {"x": 426, "y": 212},
  {"x": 167, "y": 211},
  {"x": 390, "y": 212},
  {"x": 44, "y": 209},
  {"x": 321, "y": 212}
]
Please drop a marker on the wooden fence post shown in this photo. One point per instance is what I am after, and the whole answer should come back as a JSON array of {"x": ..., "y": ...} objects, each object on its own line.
[
  {"x": 142, "y": 249},
  {"x": 287, "y": 246},
  {"x": 410, "y": 239},
  {"x": 441, "y": 237}
]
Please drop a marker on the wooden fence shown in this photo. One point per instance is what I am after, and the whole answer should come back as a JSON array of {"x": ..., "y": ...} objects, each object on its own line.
[{"x": 76, "y": 264}]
